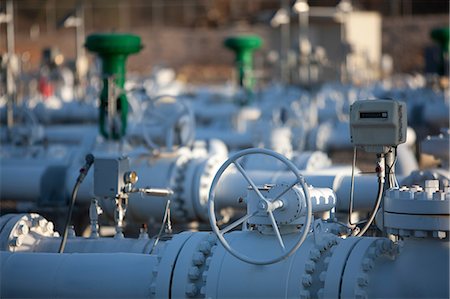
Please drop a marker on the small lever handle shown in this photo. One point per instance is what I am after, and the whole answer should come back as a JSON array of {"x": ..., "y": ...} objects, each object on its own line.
[{"x": 156, "y": 191}]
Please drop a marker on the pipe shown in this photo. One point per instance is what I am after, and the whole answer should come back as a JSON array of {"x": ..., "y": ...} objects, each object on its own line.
[
  {"x": 421, "y": 271},
  {"x": 233, "y": 186},
  {"x": 88, "y": 275}
]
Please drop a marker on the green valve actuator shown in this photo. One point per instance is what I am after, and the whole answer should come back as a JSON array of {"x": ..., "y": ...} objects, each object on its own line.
[
  {"x": 441, "y": 36},
  {"x": 113, "y": 49},
  {"x": 244, "y": 46}
]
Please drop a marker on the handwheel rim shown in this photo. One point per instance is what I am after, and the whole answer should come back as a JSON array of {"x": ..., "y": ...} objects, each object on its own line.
[{"x": 212, "y": 216}]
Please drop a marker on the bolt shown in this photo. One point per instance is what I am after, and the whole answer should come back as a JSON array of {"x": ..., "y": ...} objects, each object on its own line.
[
  {"x": 42, "y": 223},
  {"x": 363, "y": 280},
  {"x": 198, "y": 258},
  {"x": 194, "y": 273},
  {"x": 416, "y": 188},
  {"x": 16, "y": 241},
  {"x": 208, "y": 261},
  {"x": 204, "y": 276},
  {"x": 367, "y": 264},
  {"x": 50, "y": 226},
  {"x": 314, "y": 255},
  {"x": 212, "y": 239},
  {"x": 439, "y": 234},
  {"x": 323, "y": 276},
  {"x": 205, "y": 247},
  {"x": 153, "y": 288},
  {"x": 155, "y": 270},
  {"x": 310, "y": 266},
  {"x": 22, "y": 229},
  {"x": 191, "y": 290},
  {"x": 307, "y": 280}
]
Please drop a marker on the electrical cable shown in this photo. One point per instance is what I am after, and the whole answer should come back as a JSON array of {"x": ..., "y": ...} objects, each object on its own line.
[
  {"x": 375, "y": 208},
  {"x": 166, "y": 218},
  {"x": 352, "y": 189},
  {"x": 380, "y": 169},
  {"x": 391, "y": 177},
  {"x": 83, "y": 172},
  {"x": 392, "y": 167}
]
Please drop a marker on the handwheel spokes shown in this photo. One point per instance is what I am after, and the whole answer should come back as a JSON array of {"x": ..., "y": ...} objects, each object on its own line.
[
  {"x": 169, "y": 139},
  {"x": 237, "y": 223},
  {"x": 277, "y": 231},
  {"x": 267, "y": 205},
  {"x": 249, "y": 180},
  {"x": 285, "y": 190}
]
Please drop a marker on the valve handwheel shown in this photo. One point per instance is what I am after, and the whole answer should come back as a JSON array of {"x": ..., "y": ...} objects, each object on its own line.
[
  {"x": 265, "y": 205},
  {"x": 176, "y": 119}
]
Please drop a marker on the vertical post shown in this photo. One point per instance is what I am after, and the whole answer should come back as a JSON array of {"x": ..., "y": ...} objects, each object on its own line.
[
  {"x": 10, "y": 82},
  {"x": 285, "y": 43},
  {"x": 80, "y": 32},
  {"x": 81, "y": 64},
  {"x": 302, "y": 8},
  {"x": 344, "y": 7}
]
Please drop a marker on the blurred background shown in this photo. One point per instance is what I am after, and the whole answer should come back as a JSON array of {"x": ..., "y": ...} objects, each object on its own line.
[{"x": 187, "y": 35}]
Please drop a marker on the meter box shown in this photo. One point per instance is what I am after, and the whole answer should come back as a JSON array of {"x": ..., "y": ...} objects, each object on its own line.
[
  {"x": 377, "y": 125},
  {"x": 109, "y": 176}
]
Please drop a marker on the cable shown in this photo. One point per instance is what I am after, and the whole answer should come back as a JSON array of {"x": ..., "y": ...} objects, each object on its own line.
[
  {"x": 375, "y": 208},
  {"x": 165, "y": 218},
  {"x": 381, "y": 180},
  {"x": 352, "y": 188},
  {"x": 83, "y": 172},
  {"x": 392, "y": 170},
  {"x": 390, "y": 167}
]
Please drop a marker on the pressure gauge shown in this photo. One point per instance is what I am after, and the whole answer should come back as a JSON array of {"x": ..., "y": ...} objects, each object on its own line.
[{"x": 131, "y": 177}]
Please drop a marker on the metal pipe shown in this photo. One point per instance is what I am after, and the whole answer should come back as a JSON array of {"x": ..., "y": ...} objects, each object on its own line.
[{"x": 88, "y": 275}]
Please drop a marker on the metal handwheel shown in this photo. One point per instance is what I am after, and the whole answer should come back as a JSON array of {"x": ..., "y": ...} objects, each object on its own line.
[
  {"x": 267, "y": 205},
  {"x": 176, "y": 120}
]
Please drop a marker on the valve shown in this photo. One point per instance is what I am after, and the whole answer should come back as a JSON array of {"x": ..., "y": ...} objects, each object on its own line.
[
  {"x": 243, "y": 46},
  {"x": 441, "y": 36},
  {"x": 113, "y": 49},
  {"x": 261, "y": 207}
]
